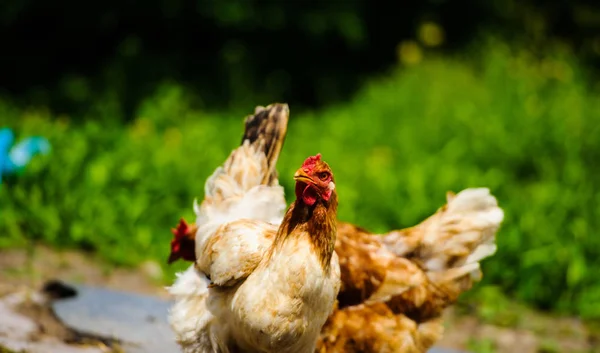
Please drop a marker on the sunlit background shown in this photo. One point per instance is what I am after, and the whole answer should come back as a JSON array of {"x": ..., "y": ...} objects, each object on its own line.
[{"x": 141, "y": 101}]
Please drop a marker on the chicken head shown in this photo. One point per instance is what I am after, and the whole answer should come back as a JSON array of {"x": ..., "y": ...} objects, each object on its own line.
[
  {"x": 183, "y": 243},
  {"x": 314, "y": 180}
]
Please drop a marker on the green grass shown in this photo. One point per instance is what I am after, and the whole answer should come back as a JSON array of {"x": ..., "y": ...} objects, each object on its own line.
[
  {"x": 481, "y": 346},
  {"x": 526, "y": 126}
]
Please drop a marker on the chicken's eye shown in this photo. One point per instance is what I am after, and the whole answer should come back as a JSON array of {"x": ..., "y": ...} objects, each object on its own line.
[{"x": 323, "y": 175}]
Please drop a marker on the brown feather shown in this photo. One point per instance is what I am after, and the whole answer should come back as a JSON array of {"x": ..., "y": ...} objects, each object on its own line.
[
  {"x": 361, "y": 271},
  {"x": 376, "y": 328}
]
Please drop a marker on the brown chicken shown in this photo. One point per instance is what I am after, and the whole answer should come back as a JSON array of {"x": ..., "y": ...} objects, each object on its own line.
[{"x": 394, "y": 287}]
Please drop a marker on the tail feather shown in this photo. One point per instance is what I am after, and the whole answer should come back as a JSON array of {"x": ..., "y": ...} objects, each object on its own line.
[
  {"x": 268, "y": 128},
  {"x": 246, "y": 185},
  {"x": 451, "y": 243},
  {"x": 254, "y": 162}
]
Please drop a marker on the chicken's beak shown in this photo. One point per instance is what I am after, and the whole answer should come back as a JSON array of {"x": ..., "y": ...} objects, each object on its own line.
[{"x": 302, "y": 176}]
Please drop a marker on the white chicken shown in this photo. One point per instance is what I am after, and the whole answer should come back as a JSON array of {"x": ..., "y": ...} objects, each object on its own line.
[{"x": 257, "y": 286}]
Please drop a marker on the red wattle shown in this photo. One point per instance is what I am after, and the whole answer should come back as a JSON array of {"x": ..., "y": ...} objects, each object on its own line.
[{"x": 309, "y": 195}]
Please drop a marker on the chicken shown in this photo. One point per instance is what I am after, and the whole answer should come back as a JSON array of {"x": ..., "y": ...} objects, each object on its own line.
[
  {"x": 259, "y": 283},
  {"x": 395, "y": 286}
]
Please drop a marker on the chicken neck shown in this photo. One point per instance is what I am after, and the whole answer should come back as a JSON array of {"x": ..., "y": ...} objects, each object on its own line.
[{"x": 319, "y": 221}]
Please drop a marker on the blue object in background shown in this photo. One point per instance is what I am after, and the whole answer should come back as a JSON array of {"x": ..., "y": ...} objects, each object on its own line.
[{"x": 14, "y": 160}]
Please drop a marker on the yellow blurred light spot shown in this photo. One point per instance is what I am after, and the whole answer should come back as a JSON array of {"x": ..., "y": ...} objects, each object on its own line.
[
  {"x": 381, "y": 156},
  {"x": 547, "y": 66},
  {"x": 559, "y": 70},
  {"x": 563, "y": 71},
  {"x": 431, "y": 34},
  {"x": 141, "y": 127},
  {"x": 409, "y": 53},
  {"x": 172, "y": 137},
  {"x": 62, "y": 121}
]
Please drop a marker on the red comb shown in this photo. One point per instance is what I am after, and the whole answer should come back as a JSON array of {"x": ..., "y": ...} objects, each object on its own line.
[
  {"x": 181, "y": 230},
  {"x": 310, "y": 162}
]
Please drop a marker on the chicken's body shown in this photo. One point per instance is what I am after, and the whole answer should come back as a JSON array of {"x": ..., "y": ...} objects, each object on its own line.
[{"x": 260, "y": 283}]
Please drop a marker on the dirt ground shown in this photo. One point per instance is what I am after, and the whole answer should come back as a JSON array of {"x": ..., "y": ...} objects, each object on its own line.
[
  {"x": 537, "y": 333},
  {"x": 32, "y": 269}
]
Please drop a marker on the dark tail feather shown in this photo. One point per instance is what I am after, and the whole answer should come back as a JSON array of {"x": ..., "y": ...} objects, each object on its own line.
[{"x": 268, "y": 126}]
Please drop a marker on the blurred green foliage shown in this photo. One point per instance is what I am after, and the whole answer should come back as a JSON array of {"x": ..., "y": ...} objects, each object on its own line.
[{"x": 524, "y": 125}]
